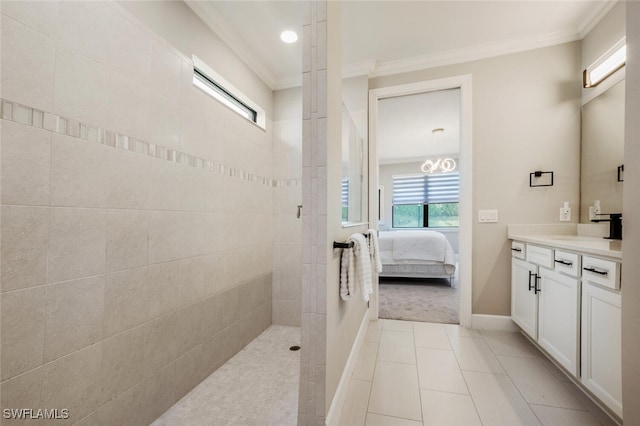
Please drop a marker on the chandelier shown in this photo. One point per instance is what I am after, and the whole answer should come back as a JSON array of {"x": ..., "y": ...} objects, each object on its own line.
[{"x": 441, "y": 165}]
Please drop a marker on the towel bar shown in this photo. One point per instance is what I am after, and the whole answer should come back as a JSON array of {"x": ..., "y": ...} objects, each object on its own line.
[{"x": 337, "y": 245}]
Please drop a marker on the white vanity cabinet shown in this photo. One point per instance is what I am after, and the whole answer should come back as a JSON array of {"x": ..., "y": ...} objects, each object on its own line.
[
  {"x": 558, "y": 318},
  {"x": 545, "y": 302},
  {"x": 568, "y": 302},
  {"x": 524, "y": 302},
  {"x": 602, "y": 344}
]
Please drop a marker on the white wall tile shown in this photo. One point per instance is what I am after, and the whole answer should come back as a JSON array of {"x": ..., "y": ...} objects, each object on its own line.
[
  {"x": 166, "y": 121},
  {"x": 166, "y": 183},
  {"x": 28, "y": 62},
  {"x": 25, "y": 236},
  {"x": 73, "y": 382},
  {"x": 81, "y": 88},
  {"x": 126, "y": 302},
  {"x": 128, "y": 177},
  {"x": 75, "y": 315},
  {"x": 165, "y": 236},
  {"x": 123, "y": 363},
  {"x": 163, "y": 288},
  {"x": 77, "y": 243},
  {"x": 130, "y": 49},
  {"x": 25, "y": 164},
  {"x": 129, "y": 107},
  {"x": 191, "y": 284},
  {"x": 162, "y": 342},
  {"x": 23, "y": 314},
  {"x": 22, "y": 391},
  {"x": 78, "y": 174},
  {"x": 39, "y": 16},
  {"x": 166, "y": 72},
  {"x": 213, "y": 275},
  {"x": 82, "y": 32}
]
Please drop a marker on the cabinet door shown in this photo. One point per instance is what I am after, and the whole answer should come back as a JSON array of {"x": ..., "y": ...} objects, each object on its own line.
[
  {"x": 524, "y": 302},
  {"x": 602, "y": 345},
  {"x": 558, "y": 322}
]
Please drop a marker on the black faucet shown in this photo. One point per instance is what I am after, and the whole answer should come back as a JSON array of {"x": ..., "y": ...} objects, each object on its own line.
[{"x": 615, "y": 225}]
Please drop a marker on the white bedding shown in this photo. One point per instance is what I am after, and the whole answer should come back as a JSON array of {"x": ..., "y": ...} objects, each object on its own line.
[{"x": 412, "y": 248}]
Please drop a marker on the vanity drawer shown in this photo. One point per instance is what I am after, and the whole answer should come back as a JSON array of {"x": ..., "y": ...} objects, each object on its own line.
[
  {"x": 567, "y": 263},
  {"x": 600, "y": 271},
  {"x": 517, "y": 250},
  {"x": 542, "y": 256}
]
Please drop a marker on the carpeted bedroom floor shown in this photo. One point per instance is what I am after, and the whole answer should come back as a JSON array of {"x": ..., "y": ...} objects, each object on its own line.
[{"x": 419, "y": 299}]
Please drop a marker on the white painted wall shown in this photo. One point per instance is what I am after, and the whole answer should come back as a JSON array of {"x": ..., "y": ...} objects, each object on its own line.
[{"x": 526, "y": 117}]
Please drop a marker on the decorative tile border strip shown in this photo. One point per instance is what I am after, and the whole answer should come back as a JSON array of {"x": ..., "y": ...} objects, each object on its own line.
[{"x": 33, "y": 117}]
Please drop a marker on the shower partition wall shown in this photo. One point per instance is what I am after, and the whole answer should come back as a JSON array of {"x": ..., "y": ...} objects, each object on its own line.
[{"x": 137, "y": 212}]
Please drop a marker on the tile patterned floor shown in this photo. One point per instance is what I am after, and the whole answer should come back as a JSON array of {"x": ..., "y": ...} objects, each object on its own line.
[
  {"x": 257, "y": 387},
  {"x": 412, "y": 373}
]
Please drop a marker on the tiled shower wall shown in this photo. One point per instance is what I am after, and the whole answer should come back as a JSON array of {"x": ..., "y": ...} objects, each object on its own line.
[
  {"x": 136, "y": 218},
  {"x": 287, "y": 243}
]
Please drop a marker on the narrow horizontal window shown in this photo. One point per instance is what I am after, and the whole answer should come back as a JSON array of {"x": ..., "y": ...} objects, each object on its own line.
[
  {"x": 212, "y": 88},
  {"x": 215, "y": 86},
  {"x": 610, "y": 62}
]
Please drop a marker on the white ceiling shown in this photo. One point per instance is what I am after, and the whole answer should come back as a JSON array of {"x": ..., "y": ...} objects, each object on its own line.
[
  {"x": 385, "y": 37},
  {"x": 382, "y": 37},
  {"x": 406, "y": 123}
]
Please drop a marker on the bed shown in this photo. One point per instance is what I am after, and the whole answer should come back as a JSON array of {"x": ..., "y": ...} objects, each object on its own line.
[{"x": 416, "y": 254}]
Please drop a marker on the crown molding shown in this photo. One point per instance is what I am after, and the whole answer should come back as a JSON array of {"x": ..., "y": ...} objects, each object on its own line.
[
  {"x": 288, "y": 82},
  {"x": 594, "y": 17},
  {"x": 227, "y": 35},
  {"x": 357, "y": 69},
  {"x": 474, "y": 53}
]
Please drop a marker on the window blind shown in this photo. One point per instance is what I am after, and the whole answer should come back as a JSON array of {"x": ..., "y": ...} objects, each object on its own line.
[
  {"x": 345, "y": 192},
  {"x": 426, "y": 189}
]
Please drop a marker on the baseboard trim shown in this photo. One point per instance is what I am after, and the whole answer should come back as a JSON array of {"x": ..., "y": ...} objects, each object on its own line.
[
  {"x": 493, "y": 322},
  {"x": 333, "y": 416}
]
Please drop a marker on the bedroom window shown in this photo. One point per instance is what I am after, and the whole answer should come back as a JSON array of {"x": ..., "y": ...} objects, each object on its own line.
[
  {"x": 345, "y": 199},
  {"x": 426, "y": 201}
]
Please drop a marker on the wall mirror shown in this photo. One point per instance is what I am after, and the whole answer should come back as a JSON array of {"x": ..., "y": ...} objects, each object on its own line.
[
  {"x": 353, "y": 170},
  {"x": 602, "y": 152}
]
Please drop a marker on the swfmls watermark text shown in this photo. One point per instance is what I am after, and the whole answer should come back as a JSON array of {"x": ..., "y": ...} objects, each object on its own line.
[{"x": 35, "y": 413}]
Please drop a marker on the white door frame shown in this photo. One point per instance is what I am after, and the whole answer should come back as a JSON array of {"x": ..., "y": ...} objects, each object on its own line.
[{"x": 463, "y": 82}]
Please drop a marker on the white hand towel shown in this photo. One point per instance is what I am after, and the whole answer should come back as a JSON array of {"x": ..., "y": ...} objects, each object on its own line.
[
  {"x": 363, "y": 265},
  {"x": 374, "y": 249},
  {"x": 347, "y": 285}
]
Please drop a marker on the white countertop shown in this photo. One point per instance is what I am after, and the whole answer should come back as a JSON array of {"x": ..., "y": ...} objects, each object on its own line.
[{"x": 588, "y": 245}]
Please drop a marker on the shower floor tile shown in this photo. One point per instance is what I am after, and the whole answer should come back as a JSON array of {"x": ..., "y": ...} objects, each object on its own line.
[{"x": 258, "y": 386}]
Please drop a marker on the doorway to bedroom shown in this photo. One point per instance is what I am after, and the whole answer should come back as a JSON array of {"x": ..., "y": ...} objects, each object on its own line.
[{"x": 417, "y": 156}]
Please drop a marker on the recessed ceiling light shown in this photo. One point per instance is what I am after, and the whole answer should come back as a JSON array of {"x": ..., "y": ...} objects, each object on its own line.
[{"x": 289, "y": 36}]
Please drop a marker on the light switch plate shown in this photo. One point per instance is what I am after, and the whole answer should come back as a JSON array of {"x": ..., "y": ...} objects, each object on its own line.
[{"x": 487, "y": 216}]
